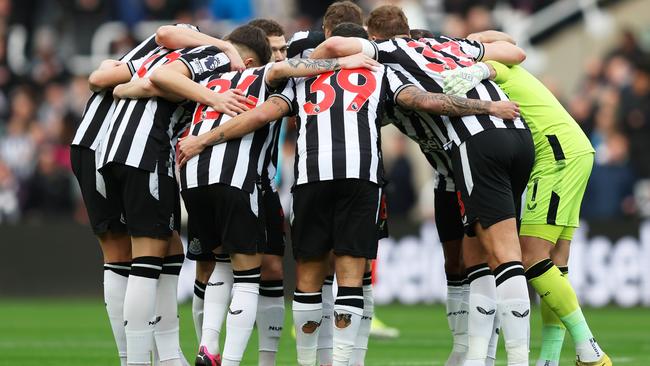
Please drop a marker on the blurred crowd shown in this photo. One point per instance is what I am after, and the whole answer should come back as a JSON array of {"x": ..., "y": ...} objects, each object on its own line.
[{"x": 42, "y": 96}]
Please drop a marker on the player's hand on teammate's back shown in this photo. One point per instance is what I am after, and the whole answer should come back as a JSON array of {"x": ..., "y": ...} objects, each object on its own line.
[
  {"x": 463, "y": 79},
  {"x": 230, "y": 102},
  {"x": 188, "y": 147},
  {"x": 504, "y": 109},
  {"x": 358, "y": 61}
]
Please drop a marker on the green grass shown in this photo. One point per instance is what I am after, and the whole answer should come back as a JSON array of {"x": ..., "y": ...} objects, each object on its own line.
[{"x": 76, "y": 332}]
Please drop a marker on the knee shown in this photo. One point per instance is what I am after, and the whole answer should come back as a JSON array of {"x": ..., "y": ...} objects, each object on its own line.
[{"x": 272, "y": 268}]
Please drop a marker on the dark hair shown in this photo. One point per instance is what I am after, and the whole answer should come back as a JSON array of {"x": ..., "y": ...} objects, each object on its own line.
[
  {"x": 350, "y": 30},
  {"x": 387, "y": 21},
  {"x": 269, "y": 26},
  {"x": 254, "y": 38},
  {"x": 421, "y": 33},
  {"x": 342, "y": 12}
]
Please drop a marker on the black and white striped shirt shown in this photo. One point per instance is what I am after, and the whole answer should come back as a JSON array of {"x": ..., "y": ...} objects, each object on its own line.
[
  {"x": 338, "y": 122},
  {"x": 99, "y": 109},
  {"x": 421, "y": 128},
  {"x": 240, "y": 162},
  {"x": 140, "y": 130},
  {"x": 303, "y": 43},
  {"x": 422, "y": 62}
]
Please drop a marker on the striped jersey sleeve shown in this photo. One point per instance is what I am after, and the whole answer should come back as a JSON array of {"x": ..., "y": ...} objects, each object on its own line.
[
  {"x": 303, "y": 43},
  {"x": 100, "y": 106},
  {"x": 141, "y": 130}
]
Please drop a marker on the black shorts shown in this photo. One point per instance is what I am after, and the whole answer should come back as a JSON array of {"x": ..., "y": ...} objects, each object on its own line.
[
  {"x": 449, "y": 223},
  {"x": 104, "y": 214},
  {"x": 274, "y": 217},
  {"x": 221, "y": 215},
  {"x": 148, "y": 200},
  {"x": 491, "y": 170},
  {"x": 339, "y": 215}
]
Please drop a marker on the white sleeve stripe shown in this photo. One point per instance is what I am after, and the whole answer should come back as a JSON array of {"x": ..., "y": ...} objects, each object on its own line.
[
  {"x": 189, "y": 67},
  {"x": 285, "y": 99}
]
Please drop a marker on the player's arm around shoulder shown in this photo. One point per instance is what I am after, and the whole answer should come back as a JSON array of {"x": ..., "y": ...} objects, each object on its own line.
[
  {"x": 344, "y": 46},
  {"x": 415, "y": 98},
  {"x": 273, "y": 109},
  {"x": 109, "y": 74},
  {"x": 299, "y": 67}
]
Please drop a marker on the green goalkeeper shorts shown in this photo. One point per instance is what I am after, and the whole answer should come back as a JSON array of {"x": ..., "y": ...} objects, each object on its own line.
[{"x": 553, "y": 198}]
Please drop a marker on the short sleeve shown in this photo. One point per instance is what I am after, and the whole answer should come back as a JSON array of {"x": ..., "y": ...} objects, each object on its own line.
[
  {"x": 396, "y": 83},
  {"x": 474, "y": 49},
  {"x": 205, "y": 61},
  {"x": 386, "y": 51},
  {"x": 288, "y": 94},
  {"x": 137, "y": 62},
  {"x": 302, "y": 44}
]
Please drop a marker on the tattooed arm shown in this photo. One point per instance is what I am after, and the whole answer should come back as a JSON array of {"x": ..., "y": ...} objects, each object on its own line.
[
  {"x": 281, "y": 71},
  {"x": 414, "y": 98},
  {"x": 245, "y": 123}
]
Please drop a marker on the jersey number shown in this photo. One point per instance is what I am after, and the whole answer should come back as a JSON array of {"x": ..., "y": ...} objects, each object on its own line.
[
  {"x": 221, "y": 86},
  {"x": 438, "y": 61},
  {"x": 362, "y": 91}
]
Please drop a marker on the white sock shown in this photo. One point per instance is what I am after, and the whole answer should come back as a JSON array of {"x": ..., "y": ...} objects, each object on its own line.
[
  {"x": 166, "y": 331},
  {"x": 241, "y": 314},
  {"x": 513, "y": 305},
  {"x": 217, "y": 299},
  {"x": 494, "y": 341},
  {"x": 453, "y": 306},
  {"x": 482, "y": 310},
  {"x": 326, "y": 332},
  {"x": 270, "y": 320},
  {"x": 197, "y": 307},
  {"x": 361, "y": 342},
  {"x": 348, "y": 310},
  {"x": 139, "y": 309},
  {"x": 307, "y": 317},
  {"x": 116, "y": 277}
]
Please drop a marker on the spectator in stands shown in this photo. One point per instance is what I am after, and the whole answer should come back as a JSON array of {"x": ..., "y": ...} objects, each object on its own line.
[
  {"x": 50, "y": 191},
  {"x": 634, "y": 112},
  {"x": 9, "y": 207},
  {"x": 18, "y": 145}
]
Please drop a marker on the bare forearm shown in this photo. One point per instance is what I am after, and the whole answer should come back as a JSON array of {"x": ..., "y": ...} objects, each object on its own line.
[
  {"x": 108, "y": 77},
  {"x": 174, "y": 37},
  {"x": 337, "y": 47},
  {"x": 300, "y": 68},
  {"x": 180, "y": 86},
  {"x": 490, "y": 36},
  {"x": 447, "y": 105},
  {"x": 504, "y": 52}
]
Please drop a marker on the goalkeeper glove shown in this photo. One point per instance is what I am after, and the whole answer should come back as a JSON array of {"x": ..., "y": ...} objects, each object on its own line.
[{"x": 463, "y": 79}]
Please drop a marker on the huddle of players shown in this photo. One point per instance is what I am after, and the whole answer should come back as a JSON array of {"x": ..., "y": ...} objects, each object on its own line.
[{"x": 227, "y": 166}]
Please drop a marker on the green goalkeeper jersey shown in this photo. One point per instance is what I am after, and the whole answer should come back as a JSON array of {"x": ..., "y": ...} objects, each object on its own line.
[{"x": 556, "y": 134}]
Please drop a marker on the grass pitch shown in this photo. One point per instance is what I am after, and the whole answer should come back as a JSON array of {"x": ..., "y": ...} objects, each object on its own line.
[{"x": 76, "y": 332}]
